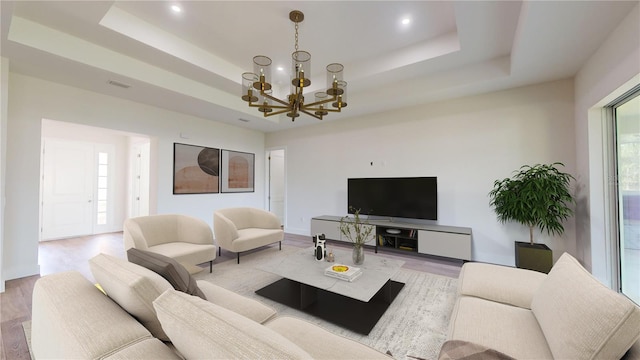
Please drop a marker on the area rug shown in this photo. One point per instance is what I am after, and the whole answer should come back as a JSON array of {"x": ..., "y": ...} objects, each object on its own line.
[{"x": 414, "y": 326}]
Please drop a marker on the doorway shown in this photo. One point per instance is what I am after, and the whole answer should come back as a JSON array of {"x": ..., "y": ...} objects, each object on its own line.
[
  {"x": 91, "y": 179},
  {"x": 276, "y": 183}
]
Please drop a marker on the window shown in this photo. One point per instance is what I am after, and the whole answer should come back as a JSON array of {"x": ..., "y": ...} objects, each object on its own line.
[
  {"x": 103, "y": 170},
  {"x": 627, "y": 161}
]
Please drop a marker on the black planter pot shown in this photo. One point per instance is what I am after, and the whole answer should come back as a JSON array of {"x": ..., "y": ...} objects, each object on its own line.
[{"x": 536, "y": 257}]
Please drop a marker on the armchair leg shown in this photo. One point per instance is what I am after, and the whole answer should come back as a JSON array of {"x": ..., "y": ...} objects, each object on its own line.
[
  {"x": 210, "y": 266},
  {"x": 280, "y": 245},
  {"x": 219, "y": 248},
  {"x": 238, "y": 258}
]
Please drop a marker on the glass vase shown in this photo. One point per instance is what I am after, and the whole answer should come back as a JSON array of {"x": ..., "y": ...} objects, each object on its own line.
[{"x": 358, "y": 254}]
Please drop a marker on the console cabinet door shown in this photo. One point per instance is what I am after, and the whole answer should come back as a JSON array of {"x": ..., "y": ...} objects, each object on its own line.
[
  {"x": 452, "y": 245},
  {"x": 330, "y": 229}
]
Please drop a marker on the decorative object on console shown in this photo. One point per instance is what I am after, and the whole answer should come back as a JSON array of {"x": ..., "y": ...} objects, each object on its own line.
[
  {"x": 260, "y": 80},
  {"x": 536, "y": 196},
  {"x": 357, "y": 231}
]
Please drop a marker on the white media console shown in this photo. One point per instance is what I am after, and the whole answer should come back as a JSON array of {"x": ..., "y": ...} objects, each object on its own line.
[{"x": 447, "y": 241}]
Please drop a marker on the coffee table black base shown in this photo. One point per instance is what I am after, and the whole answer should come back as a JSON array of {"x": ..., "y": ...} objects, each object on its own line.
[{"x": 349, "y": 313}]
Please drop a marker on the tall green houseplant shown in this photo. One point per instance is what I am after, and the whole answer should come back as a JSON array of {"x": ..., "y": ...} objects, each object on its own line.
[{"x": 536, "y": 196}]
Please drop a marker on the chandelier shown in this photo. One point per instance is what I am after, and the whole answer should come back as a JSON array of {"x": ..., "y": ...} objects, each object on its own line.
[{"x": 333, "y": 99}]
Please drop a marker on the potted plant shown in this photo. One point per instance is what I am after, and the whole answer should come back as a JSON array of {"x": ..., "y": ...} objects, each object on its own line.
[
  {"x": 357, "y": 231},
  {"x": 536, "y": 196}
]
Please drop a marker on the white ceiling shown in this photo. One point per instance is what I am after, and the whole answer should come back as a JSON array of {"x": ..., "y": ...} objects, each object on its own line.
[{"x": 192, "y": 62}]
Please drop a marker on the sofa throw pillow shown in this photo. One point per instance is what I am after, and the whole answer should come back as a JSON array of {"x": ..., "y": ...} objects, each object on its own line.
[
  {"x": 580, "y": 317},
  {"x": 131, "y": 286},
  {"x": 202, "y": 330},
  {"x": 168, "y": 268},
  {"x": 458, "y": 349}
]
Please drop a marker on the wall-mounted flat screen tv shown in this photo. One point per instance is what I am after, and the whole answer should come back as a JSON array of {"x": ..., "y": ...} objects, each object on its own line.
[{"x": 402, "y": 197}]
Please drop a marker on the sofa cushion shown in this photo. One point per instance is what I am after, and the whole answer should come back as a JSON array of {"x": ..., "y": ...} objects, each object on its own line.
[
  {"x": 152, "y": 349},
  {"x": 308, "y": 336},
  {"x": 511, "y": 330},
  {"x": 176, "y": 274},
  {"x": 202, "y": 330},
  {"x": 252, "y": 238},
  {"x": 503, "y": 284},
  {"x": 580, "y": 317},
  {"x": 72, "y": 319},
  {"x": 133, "y": 287},
  {"x": 247, "y": 307}
]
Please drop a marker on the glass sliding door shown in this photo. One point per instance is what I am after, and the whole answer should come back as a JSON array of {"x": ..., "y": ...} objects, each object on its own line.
[{"x": 627, "y": 132}]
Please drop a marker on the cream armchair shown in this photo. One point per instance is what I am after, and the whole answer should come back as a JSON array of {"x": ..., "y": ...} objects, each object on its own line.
[
  {"x": 186, "y": 239},
  {"x": 244, "y": 228}
]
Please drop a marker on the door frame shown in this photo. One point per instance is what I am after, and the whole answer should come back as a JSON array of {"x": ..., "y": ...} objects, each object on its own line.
[{"x": 268, "y": 182}]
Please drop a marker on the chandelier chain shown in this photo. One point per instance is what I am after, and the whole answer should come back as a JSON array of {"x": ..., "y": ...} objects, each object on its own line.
[{"x": 296, "y": 36}]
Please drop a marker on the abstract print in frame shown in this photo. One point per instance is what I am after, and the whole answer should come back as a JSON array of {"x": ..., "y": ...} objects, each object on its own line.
[
  {"x": 237, "y": 171},
  {"x": 196, "y": 169}
]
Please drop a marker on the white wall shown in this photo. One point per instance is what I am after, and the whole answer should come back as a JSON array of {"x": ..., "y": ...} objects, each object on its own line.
[
  {"x": 610, "y": 71},
  {"x": 32, "y": 100},
  {"x": 467, "y": 143}
]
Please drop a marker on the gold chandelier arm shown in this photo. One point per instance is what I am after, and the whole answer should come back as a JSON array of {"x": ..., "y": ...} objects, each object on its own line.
[
  {"x": 274, "y": 99},
  {"x": 311, "y": 114},
  {"x": 322, "y": 109},
  {"x": 320, "y": 102},
  {"x": 276, "y": 112},
  {"x": 269, "y": 106}
]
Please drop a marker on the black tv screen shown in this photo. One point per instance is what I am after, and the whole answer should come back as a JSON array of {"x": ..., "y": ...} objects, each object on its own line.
[{"x": 406, "y": 197}]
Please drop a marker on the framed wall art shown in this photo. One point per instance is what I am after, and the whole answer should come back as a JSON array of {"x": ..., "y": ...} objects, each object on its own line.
[
  {"x": 196, "y": 169},
  {"x": 237, "y": 171}
]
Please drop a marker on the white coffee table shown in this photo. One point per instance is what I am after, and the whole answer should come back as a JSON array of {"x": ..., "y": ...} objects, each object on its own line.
[{"x": 356, "y": 305}]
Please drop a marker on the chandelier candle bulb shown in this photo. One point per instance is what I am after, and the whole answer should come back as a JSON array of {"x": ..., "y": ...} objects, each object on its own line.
[{"x": 248, "y": 79}]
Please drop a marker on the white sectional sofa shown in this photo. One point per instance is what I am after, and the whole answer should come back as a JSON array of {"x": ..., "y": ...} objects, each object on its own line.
[
  {"x": 143, "y": 317},
  {"x": 523, "y": 314},
  {"x": 500, "y": 313}
]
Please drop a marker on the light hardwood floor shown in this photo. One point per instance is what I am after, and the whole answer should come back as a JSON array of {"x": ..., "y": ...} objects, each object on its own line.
[{"x": 72, "y": 254}]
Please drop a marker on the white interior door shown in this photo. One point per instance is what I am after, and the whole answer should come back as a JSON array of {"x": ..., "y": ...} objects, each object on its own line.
[
  {"x": 68, "y": 171},
  {"x": 276, "y": 183}
]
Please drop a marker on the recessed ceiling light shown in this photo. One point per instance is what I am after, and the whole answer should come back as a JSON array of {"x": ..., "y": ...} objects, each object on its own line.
[
  {"x": 406, "y": 21},
  {"x": 176, "y": 8},
  {"x": 280, "y": 68}
]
